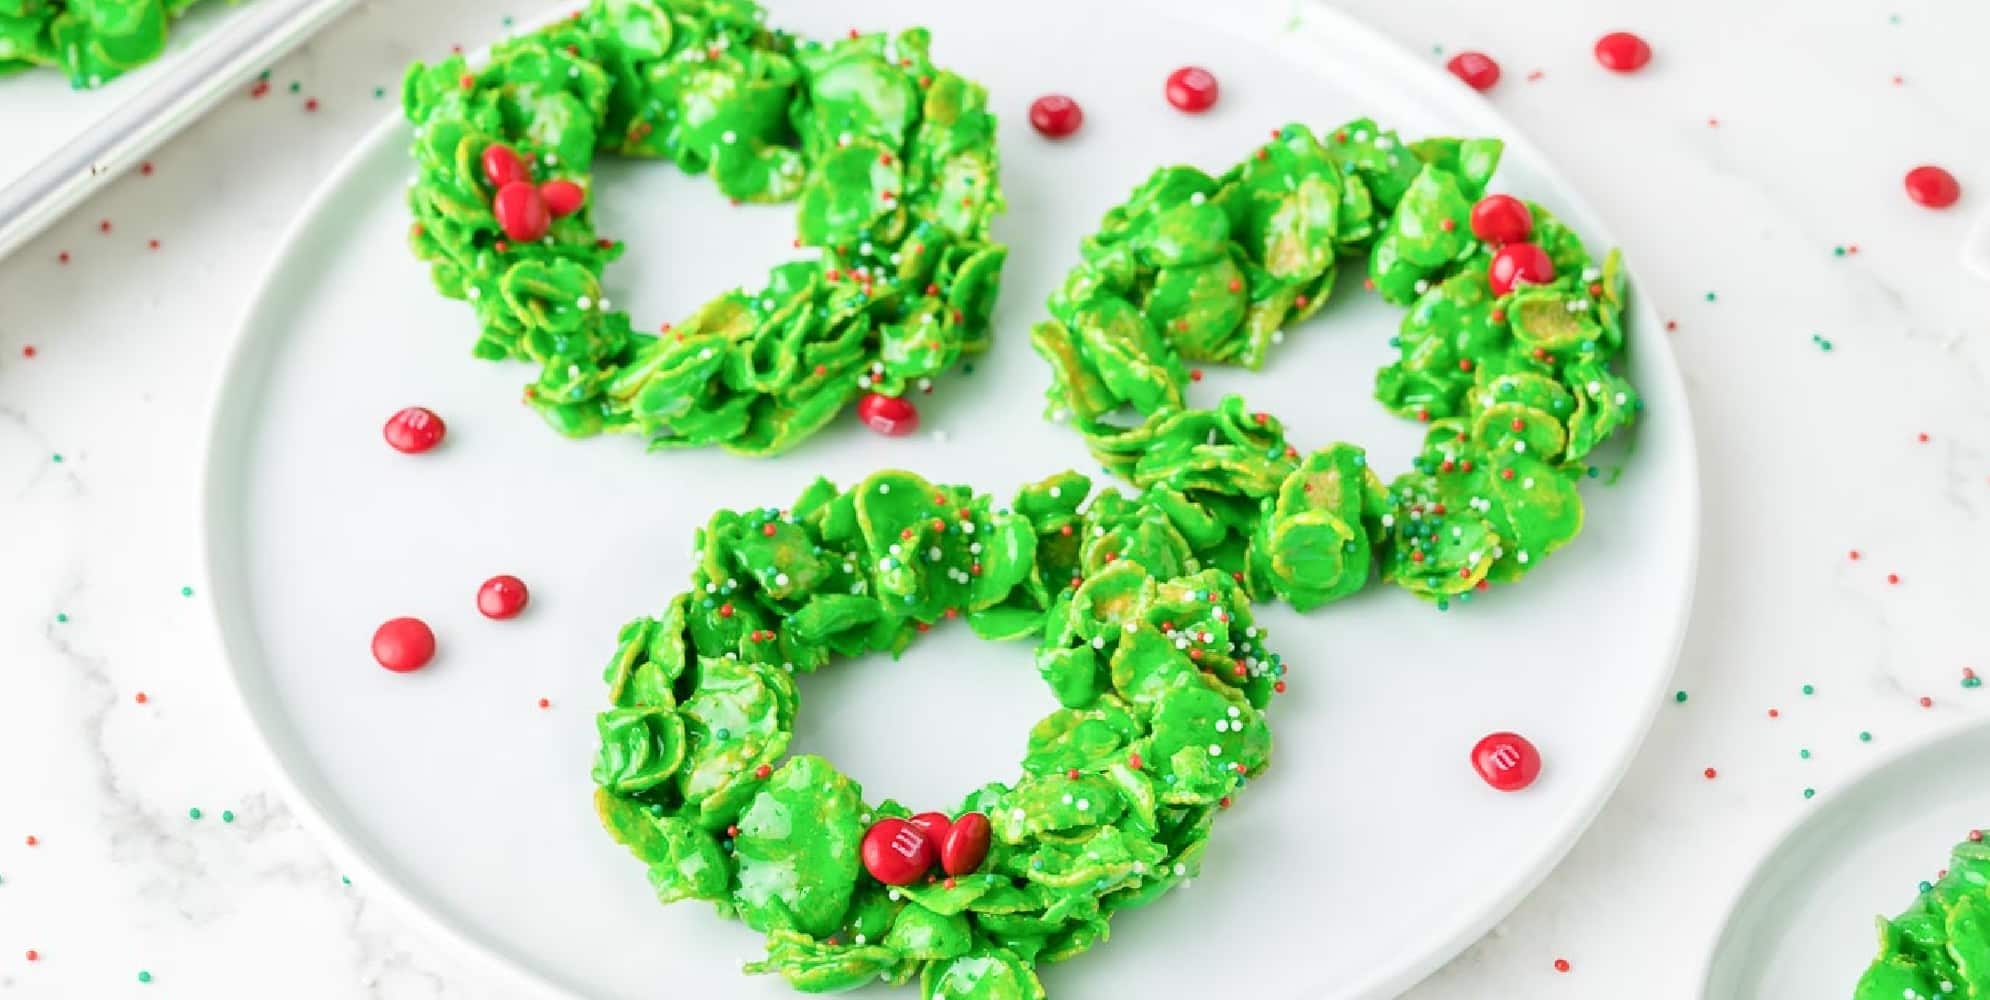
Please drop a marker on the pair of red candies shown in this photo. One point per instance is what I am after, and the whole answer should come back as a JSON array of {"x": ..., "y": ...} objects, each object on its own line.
[
  {"x": 901, "y": 851},
  {"x": 1504, "y": 221},
  {"x": 526, "y": 210}
]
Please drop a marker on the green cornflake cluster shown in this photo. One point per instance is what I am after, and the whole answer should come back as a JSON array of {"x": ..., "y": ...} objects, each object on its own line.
[
  {"x": 92, "y": 41},
  {"x": 890, "y": 161},
  {"x": 1161, "y": 675},
  {"x": 1517, "y": 388},
  {"x": 1940, "y": 948}
]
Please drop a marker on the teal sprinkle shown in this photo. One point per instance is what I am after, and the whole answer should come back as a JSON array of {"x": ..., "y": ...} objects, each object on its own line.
[
  {"x": 57, "y": 457},
  {"x": 723, "y": 734},
  {"x": 1443, "y": 605},
  {"x": 1807, "y": 689},
  {"x": 1893, "y": 18},
  {"x": 227, "y": 816},
  {"x": 1710, "y": 296},
  {"x": 193, "y": 813},
  {"x": 61, "y": 619},
  {"x": 344, "y": 881},
  {"x": 1970, "y": 682},
  {"x": 379, "y": 92},
  {"x": 1837, "y": 251},
  {"x": 264, "y": 75},
  {"x": 1805, "y": 754},
  {"x": 186, "y": 591},
  {"x": 507, "y": 21},
  {"x": 1923, "y": 885},
  {"x": 144, "y": 976},
  {"x": 1679, "y": 696},
  {"x": 295, "y": 86},
  {"x": 1809, "y": 792},
  {"x": 1865, "y": 737}
]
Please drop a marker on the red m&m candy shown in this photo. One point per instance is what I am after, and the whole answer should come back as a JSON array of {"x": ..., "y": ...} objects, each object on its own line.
[
  {"x": 403, "y": 645},
  {"x": 1622, "y": 52},
  {"x": 1501, "y": 218},
  {"x": 1192, "y": 89},
  {"x": 413, "y": 430},
  {"x": 562, "y": 198},
  {"x": 502, "y": 597},
  {"x": 1056, "y": 115},
  {"x": 502, "y": 166},
  {"x": 933, "y": 824},
  {"x": 1507, "y": 761},
  {"x": 966, "y": 844},
  {"x": 891, "y": 416},
  {"x": 1519, "y": 264},
  {"x": 1932, "y": 186},
  {"x": 1477, "y": 69},
  {"x": 895, "y": 852},
  {"x": 521, "y": 211}
]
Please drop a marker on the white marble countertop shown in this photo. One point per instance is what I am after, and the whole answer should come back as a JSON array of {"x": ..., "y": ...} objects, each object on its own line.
[{"x": 1755, "y": 144}]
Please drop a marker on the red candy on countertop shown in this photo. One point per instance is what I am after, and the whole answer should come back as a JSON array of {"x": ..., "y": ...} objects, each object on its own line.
[
  {"x": 502, "y": 597},
  {"x": 413, "y": 430},
  {"x": 1502, "y": 218},
  {"x": 1056, "y": 115},
  {"x": 891, "y": 416},
  {"x": 1932, "y": 186},
  {"x": 403, "y": 645},
  {"x": 1507, "y": 761},
  {"x": 1622, "y": 52},
  {"x": 1192, "y": 89},
  {"x": 1519, "y": 264},
  {"x": 895, "y": 852},
  {"x": 1477, "y": 69}
]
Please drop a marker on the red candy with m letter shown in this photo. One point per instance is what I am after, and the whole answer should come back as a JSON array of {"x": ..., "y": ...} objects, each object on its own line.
[
  {"x": 895, "y": 852},
  {"x": 966, "y": 845},
  {"x": 502, "y": 597},
  {"x": 502, "y": 166},
  {"x": 1622, "y": 52},
  {"x": 403, "y": 645},
  {"x": 933, "y": 824},
  {"x": 1507, "y": 761},
  {"x": 1192, "y": 89},
  {"x": 1056, "y": 115},
  {"x": 413, "y": 430}
]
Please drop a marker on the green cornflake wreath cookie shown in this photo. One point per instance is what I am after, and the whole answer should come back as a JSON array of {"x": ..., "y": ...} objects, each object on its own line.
[
  {"x": 92, "y": 41},
  {"x": 890, "y": 161},
  {"x": 1161, "y": 674},
  {"x": 1505, "y": 352},
  {"x": 1940, "y": 948}
]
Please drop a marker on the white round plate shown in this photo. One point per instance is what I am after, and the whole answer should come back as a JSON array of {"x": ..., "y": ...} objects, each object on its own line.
[
  {"x": 1370, "y": 853},
  {"x": 1802, "y": 924}
]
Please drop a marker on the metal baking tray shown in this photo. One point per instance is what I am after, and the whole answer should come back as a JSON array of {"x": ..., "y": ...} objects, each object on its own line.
[{"x": 129, "y": 116}]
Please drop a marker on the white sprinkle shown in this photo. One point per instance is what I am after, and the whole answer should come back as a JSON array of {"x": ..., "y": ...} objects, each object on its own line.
[
  {"x": 1388, "y": 520},
  {"x": 1067, "y": 798},
  {"x": 1519, "y": 447},
  {"x": 1522, "y": 556},
  {"x": 1084, "y": 804},
  {"x": 1098, "y": 642},
  {"x": 933, "y": 553},
  {"x": 1527, "y": 483},
  {"x": 1056, "y": 491},
  {"x": 1222, "y": 725},
  {"x": 1215, "y": 750},
  {"x": 1421, "y": 286},
  {"x": 780, "y": 579},
  {"x": 1197, "y": 198},
  {"x": 973, "y": 548},
  {"x": 1181, "y": 869},
  {"x": 604, "y": 304},
  {"x": 1595, "y": 388},
  {"x": 1131, "y": 628},
  {"x": 884, "y": 488},
  {"x": 1234, "y": 713},
  {"x": 584, "y": 302},
  {"x": 475, "y": 292},
  {"x": 1278, "y": 336},
  {"x": 551, "y": 160},
  {"x": 1622, "y": 399},
  {"x": 728, "y": 137}
]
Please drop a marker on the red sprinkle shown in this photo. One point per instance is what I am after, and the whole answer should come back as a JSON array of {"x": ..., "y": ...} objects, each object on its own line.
[
  {"x": 1056, "y": 115},
  {"x": 140, "y": 698},
  {"x": 104, "y": 226},
  {"x": 1927, "y": 702},
  {"x": 32, "y": 841},
  {"x": 1923, "y": 436},
  {"x": 1622, "y": 52},
  {"x": 1854, "y": 555},
  {"x": 1932, "y": 186},
  {"x": 311, "y": 104},
  {"x": 1711, "y": 774},
  {"x": 1192, "y": 89},
  {"x": 1477, "y": 69},
  {"x": 1893, "y": 578},
  {"x": 1561, "y": 965},
  {"x": 145, "y": 168},
  {"x": 762, "y": 771},
  {"x": 1773, "y": 714},
  {"x": 545, "y": 703},
  {"x": 33, "y": 955},
  {"x": 28, "y": 351}
]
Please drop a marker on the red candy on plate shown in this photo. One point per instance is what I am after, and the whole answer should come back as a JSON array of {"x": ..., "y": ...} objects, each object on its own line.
[
  {"x": 1932, "y": 186},
  {"x": 1192, "y": 89},
  {"x": 965, "y": 845},
  {"x": 1502, "y": 218},
  {"x": 413, "y": 430},
  {"x": 1056, "y": 115},
  {"x": 1519, "y": 264},
  {"x": 1507, "y": 761},
  {"x": 891, "y": 416},
  {"x": 1477, "y": 69},
  {"x": 1622, "y": 52},
  {"x": 403, "y": 645},
  {"x": 895, "y": 852},
  {"x": 502, "y": 597}
]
